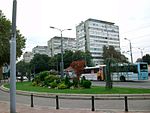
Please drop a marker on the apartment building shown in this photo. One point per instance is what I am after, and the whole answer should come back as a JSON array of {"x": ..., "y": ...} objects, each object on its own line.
[
  {"x": 54, "y": 45},
  {"x": 40, "y": 50},
  {"x": 93, "y": 34},
  {"x": 27, "y": 56}
]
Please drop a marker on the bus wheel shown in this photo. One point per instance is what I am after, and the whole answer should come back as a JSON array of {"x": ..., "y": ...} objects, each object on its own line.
[{"x": 122, "y": 79}]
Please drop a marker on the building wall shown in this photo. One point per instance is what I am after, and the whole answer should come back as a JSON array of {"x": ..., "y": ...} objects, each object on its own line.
[
  {"x": 54, "y": 45},
  {"x": 93, "y": 34},
  {"x": 27, "y": 56},
  {"x": 40, "y": 50}
]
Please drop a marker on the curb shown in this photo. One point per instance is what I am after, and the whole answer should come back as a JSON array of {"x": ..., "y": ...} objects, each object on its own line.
[{"x": 28, "y": 93}]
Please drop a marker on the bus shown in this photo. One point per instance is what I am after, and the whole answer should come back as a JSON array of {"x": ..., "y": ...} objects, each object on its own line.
[
  {"x": 119, "y": 72},
  {"x": 129, "y": 72},
  {"x": 94, "y": 73}
]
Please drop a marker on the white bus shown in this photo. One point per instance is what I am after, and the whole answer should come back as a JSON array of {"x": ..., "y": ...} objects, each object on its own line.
[
  {"x": 119, "y": 72},
  {"x": 94, "y": 73}
]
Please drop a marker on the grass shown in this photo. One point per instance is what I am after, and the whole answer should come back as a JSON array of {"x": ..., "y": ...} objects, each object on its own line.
[{"x": 27, "y": 86}]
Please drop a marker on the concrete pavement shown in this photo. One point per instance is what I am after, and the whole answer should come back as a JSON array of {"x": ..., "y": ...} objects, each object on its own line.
[{"x": 22, "y": 108}]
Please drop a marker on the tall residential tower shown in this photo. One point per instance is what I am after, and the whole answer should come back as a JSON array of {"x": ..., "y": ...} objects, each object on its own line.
[{"x": 93, "y": 34}]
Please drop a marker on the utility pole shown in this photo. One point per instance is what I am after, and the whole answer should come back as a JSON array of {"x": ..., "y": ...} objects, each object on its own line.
[
  {"x": 62, "y": 61},
  {"x": 13, "y": 61},
  {"x": 130, "y": 50}
]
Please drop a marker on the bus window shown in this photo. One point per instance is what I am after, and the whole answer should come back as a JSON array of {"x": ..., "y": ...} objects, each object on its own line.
[{"x": 143, "y": 66}]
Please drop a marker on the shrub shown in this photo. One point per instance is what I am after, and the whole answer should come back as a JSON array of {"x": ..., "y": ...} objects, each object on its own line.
[
  {"x": 42, "y": 75},
  {"x": 75, "y": 82},
  {"x": 53, "y": 72},
  {"x": 67, "y": 82},
  {"x": 82, "y": 79},
  {"x": 50, "y": 78},
  {"x": 86, "y": 83},
  {"x": 62, "y": 86},
  {"x": 53, "y": 84},
  {"x": 34, "y": 83}
]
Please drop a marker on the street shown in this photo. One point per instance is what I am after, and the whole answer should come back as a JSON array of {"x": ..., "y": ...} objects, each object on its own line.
[
  {"x": 133, "y": 105},
  {"x": 131, "y": 84}
]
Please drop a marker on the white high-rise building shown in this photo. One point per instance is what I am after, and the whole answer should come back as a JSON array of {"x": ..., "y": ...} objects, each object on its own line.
[
  {"x": 93, "y": 34},
  {"x": 27, "y": 56},
  {"x": 40, "y": 50},
  {"x": 54, "y": 45}
]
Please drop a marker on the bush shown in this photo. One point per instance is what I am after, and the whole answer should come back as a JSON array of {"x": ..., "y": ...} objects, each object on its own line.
[
  {"x": 50, "y": 78},
  {"x": 82, "y": 79},
  {"x": 34, "y": 83},
  {"x": 62, "y": 86},
  {"x": 75, "y": 82},
  {"x": 53, "y": 84},
  {"x": 86, "y": 83},
  {"x": 42, "y": 75},
  {"x": 67, "y": 82}
]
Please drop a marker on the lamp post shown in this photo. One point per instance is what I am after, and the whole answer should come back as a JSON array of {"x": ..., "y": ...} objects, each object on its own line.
[
  {"x": 130, "y": 49},
  {"x": 141, "y": 52},
  {"x": 62, "y": 62},
  {"x": 13, "y": 61}
]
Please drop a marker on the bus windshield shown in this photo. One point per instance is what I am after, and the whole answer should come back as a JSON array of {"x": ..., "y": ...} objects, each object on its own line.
[{"x": 143, "y": 66}]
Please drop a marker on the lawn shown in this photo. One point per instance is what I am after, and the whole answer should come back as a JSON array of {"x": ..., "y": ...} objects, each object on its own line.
[{"x": 27, "y": 86}]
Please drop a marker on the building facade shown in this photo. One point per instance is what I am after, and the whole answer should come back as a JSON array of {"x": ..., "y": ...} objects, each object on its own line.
[
  {"x": 40, "y": 50},
  {"x": 54, "y": 45},
  {"x": 27, "y": 56},
  {"x": 93, "y": 34}
]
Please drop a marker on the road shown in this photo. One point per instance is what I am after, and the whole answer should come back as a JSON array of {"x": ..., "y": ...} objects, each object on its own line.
[
  {"x": 131, "y": 84},
  {"x": 134, "y": 105}
]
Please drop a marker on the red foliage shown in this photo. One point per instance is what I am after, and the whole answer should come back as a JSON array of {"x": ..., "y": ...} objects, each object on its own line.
[{"x": 78, "y": 66}]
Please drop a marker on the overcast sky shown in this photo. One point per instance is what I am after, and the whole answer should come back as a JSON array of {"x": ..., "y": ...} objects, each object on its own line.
[{"x": 35, "y": 16}]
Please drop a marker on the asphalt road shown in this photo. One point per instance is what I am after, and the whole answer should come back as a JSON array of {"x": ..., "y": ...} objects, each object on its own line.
[
  {"x": 133, "y": 105},
  {"x": 131, "y": 84}
]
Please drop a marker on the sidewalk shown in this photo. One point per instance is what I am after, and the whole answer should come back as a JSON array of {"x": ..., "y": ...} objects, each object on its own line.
[{"x": 21, "y": 108}]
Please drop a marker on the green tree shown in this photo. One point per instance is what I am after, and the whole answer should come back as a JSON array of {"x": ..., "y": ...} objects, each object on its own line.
[
  {"x": 80, "y": 55},
  {"x": 23, "y": 68},
  {"x": 146, "y": 58},
  {"x": 5, "y": 36},
  {"x": 39, "y": 63},
  {"x": 54, "y": 62},
  {"x": 110, "y": 52},
  {"x": 68, "y": 58}
]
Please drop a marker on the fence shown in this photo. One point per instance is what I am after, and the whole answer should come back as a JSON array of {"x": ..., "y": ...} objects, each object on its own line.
[{"x": 93, "y": 98}]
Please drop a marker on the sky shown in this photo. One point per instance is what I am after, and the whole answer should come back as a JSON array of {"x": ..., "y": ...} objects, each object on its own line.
[{"x": 34, "y": 17}]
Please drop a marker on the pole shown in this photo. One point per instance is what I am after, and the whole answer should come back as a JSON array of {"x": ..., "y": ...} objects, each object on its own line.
[
  {"x": 62, "y": 62},
  {"x": 13, "y": 61},
  {"x": 131, "y": 52},
  {"x": 126, "y": 103}
]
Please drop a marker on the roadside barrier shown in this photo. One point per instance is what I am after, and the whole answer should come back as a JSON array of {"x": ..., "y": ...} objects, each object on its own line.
[{"x": 93, "y": 98}]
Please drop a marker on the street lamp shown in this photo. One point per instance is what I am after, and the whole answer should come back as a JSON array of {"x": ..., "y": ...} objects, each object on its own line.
[
  {"x": 130, "y": 49},
  {"x": 13, "y": 60},
  {"x": 141, "y": 52},
  {"x": 62, "y": 62}
]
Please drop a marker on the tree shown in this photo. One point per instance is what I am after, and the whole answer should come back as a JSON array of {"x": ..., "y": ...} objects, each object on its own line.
[
  {"x": 146, "y": 58},
  {"x": 54, "y": 62},
  {"x": 39, "y": 63},
  {"x": 78, "y": 66},
  {"x": 23, "y": 69},
  {"x": 5, "y": 36},
  {"x": 80, "y": 55},
  {"x": 68, "y": 58},
  {"x": 139, "y": 60},
  {"x": 110, "y": 52}
]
